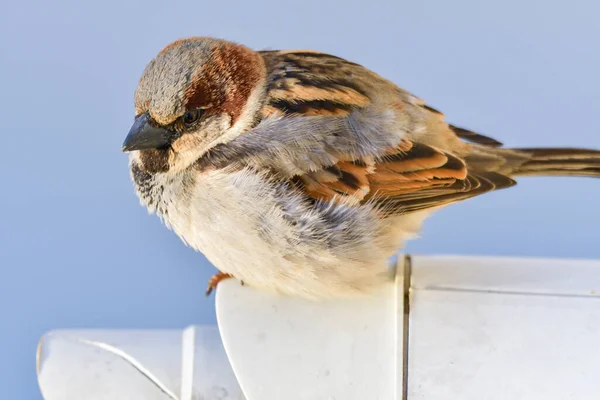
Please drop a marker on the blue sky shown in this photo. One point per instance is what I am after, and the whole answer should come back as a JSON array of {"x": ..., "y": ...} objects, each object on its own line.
[{"x": 77, "y": 250}]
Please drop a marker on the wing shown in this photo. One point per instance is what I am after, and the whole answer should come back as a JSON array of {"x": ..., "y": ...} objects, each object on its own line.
[
  {"x": 334, "y": 129},
  {"x": 411, "y": 177},
  {"x": 463, "y": 133}
]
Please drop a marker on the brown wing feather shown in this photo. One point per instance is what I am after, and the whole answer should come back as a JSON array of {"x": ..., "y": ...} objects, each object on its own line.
[
  {"x": 409, "y": 177},
  {"x": 463, "y": 133},
  {"x": 414, "y": 175},
  {"x": 312, "y": 83},
  {"x": 413, "y": 179},
  {"x": 427, "y": 167}
]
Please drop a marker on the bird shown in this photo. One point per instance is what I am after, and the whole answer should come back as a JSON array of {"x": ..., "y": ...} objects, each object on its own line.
[{"x": 301, "y": 173}]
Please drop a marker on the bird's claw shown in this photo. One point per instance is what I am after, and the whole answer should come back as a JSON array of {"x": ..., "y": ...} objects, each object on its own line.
[{"x": 214, "y": 281}]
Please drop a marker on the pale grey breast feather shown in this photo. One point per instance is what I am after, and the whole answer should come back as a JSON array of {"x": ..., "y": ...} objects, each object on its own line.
[
  {"x": 294, "y": 145},
  {"x": 339, "y": 227},
  {"x": 157, "y": 191}
]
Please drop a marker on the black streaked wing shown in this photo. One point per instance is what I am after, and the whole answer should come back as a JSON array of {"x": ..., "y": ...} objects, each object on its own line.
[
  {"x": 410, "y": 178},
  {"x": 473, "y": 185},
  {"x": 320, "y": 131},
  {"x": 311, "y": 83},
  {"x": 463, "y": 133}
]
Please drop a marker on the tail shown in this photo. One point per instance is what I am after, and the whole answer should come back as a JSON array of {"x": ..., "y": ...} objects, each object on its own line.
[{"x": 557, "y": 162}]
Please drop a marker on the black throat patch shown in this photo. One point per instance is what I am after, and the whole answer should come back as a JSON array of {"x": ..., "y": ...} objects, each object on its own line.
[{"x": 155, "y": 160}]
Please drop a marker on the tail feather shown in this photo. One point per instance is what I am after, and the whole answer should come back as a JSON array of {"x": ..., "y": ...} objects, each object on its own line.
[{"x": 558, "y": 162}]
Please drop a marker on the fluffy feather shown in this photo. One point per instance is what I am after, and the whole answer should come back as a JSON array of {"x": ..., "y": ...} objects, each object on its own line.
[{"x": 304, "y": 179}]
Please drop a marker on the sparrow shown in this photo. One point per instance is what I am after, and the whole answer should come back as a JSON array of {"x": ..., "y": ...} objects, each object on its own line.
[{"x": 300, "y": 172}]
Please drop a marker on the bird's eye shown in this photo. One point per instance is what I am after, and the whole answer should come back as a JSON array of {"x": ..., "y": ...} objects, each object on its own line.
[{"x": 190, "y": 117}]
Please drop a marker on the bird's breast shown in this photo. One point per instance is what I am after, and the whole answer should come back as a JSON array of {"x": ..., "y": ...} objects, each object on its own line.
[{"x": 269, "y": 235}]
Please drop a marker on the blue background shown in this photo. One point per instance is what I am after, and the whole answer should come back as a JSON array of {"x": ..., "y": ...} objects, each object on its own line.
[{"x": 78, "y": 251}]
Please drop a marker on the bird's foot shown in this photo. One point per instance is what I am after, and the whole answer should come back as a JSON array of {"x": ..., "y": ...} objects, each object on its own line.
[{"x": 214, "y": 281}]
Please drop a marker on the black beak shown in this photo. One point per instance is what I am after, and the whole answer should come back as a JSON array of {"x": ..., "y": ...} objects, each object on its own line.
[{"x": 143, "y": 135}]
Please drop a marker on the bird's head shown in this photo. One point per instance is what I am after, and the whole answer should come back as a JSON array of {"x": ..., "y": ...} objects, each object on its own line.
[{"x": 196, "y": 93}]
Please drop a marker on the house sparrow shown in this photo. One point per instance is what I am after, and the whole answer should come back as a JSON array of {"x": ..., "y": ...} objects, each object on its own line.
[{"x": 300, "y": 172}]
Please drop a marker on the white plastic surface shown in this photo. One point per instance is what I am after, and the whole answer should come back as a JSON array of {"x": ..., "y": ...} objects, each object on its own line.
[
  {"x": 554, "y": 277},
  {"x": 477, "y": 328},
  {"x": 288, "y": 348},
  {"x": 130, "y": 365},
  {"x": 504, "y": 328}
]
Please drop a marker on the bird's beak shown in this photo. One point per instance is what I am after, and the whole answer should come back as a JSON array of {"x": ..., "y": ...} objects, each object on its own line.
[{"x": 144, "y": 135}]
